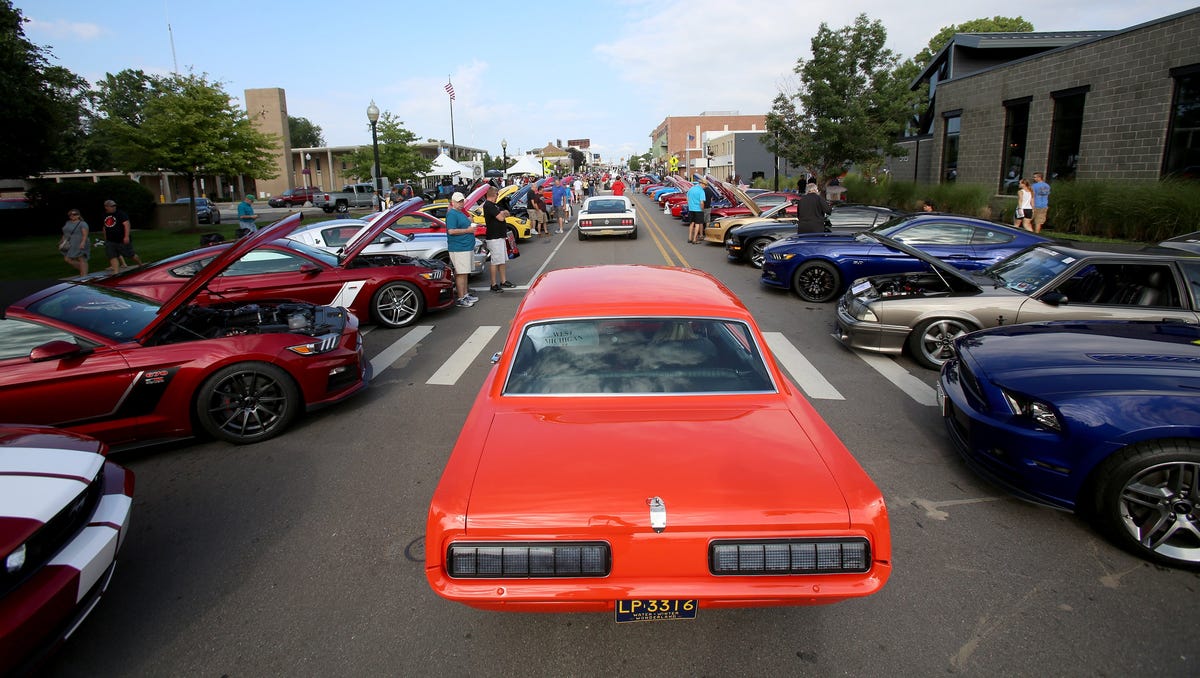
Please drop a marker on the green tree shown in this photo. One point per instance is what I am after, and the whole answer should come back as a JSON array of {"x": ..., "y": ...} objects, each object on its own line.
[
  {"x": 40, "y": 112},
  {"x": 304, "y": 133},
  {"x": 399, "y": 160},
  {"x": 851, "y": 104},
  {"x": 190, "y": 126},
  {"x": 578, "y": 158}
]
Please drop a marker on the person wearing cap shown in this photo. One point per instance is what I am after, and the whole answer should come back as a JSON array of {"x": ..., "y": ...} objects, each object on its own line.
[
  {"x": 460, "y": 241},
  {"x": 246, "y": 215},
  {"x": 696, "y": 200},
  {"x": 117, "y": 241}
]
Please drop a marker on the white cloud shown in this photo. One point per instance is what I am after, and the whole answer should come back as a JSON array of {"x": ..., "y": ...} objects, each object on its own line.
[{"x": 60, "y": 28}]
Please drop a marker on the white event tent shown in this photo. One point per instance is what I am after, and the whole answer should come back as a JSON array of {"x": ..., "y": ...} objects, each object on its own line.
[
  {"x": 527, "y": 164},
  {"x": 445, "y": 166}
]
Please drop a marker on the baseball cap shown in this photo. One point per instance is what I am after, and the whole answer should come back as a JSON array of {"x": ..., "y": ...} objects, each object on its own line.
[{"x": 457, "y": 197}]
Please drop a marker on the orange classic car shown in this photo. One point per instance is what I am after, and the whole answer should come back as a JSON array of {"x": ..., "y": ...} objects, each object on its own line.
[{"x": 636, "y": 449}]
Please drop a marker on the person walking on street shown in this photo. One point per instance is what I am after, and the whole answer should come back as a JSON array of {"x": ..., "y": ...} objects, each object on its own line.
[
  {"x": 117, "y": 241},
  {"x": 1041, "y": 201},
  {"x": 811, "y": 210},
  {"x": 460, "y": 241},
  {"x": 496, "y": 235},
  {"x": 577, "y": 190},
  {"x": 1024, "y": 217},
  {"x": 695, "y": 204},
  {"x": 618, "y": 186},
  {"x": 560, "y": 195},
  {"x": 246, "y": 215},
  {"x": 75, "y": 233}
]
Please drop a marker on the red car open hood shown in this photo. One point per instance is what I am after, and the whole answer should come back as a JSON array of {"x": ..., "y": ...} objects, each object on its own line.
[
  {"x": 475, "y": 197},
  {"x": 182, "y": 296},
  {"x": 716, "y": 470},
  {"x": 367, "y": 234}
]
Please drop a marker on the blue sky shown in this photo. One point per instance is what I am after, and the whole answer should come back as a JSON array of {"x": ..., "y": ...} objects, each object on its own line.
[{"x": 530, "y": 73}]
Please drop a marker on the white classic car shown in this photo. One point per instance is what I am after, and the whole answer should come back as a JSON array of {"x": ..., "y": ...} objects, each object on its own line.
[{"x": 333, "y": 235}]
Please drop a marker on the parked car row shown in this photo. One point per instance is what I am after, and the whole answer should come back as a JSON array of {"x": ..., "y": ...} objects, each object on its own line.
[{"x": 1066, "y": 375}]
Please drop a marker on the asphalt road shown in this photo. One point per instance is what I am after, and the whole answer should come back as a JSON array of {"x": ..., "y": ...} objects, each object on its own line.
[{"x": 303, "y": 555}]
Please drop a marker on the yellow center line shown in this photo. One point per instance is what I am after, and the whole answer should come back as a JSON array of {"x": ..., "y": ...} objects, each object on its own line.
[{"x": 659, "y": 235}]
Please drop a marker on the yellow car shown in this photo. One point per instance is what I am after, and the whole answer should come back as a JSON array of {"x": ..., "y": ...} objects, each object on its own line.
[{"x": 518, "y": 225}]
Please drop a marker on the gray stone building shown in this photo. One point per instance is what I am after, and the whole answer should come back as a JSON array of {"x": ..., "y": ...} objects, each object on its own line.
[{"x": 1090, "y": 105}]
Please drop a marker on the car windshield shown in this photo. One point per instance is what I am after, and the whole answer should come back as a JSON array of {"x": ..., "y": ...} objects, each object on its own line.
[
  {"x": 638, "y": 356},
  {"x": 606, "y": 206},
  {"x": 776, "y": 210},
  {"x": 892, "y": 225},
  {"x": 110, "y": 313},
  {"x": 1027, "y": 272}
]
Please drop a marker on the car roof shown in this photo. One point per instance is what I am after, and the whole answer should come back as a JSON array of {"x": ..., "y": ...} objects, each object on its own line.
[{"x": 629, "y": 290}]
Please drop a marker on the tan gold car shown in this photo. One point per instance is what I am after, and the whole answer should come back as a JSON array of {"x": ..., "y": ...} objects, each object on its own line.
[{"x": 715, "y": 232}]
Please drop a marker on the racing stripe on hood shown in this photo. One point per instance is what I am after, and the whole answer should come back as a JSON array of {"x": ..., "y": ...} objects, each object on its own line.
[{"x": 51, "y": 462}]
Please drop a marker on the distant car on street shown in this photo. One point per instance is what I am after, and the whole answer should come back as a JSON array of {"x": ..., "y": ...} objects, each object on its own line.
[{"x": 206, "y": 210}]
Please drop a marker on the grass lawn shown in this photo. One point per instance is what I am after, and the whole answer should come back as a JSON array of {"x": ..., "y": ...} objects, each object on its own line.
[{"x": 37, "y": 258}]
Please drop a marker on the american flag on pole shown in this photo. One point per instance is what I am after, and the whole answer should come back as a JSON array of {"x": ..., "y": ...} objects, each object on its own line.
[{"x": 450, "y": 90}]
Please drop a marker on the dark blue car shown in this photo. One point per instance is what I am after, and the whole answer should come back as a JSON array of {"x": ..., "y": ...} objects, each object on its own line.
[
  {"x": 1101, "y": 417},
  {"x": 819, "y": 266}
]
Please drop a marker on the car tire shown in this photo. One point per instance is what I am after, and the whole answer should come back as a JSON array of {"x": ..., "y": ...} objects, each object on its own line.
[
  {"x": 633, "y": 234},
  {"x": 932, "y": 342},
  {"x": 216, "y": 216},
  {"x": 397, "y": 304},
  {"x": 755, "y": 251},
  {"x": 342, "y": 208},
  {"x": 581, "y": 234},
  {"x": 817, "y": 281},
  {"x": 1144, "y": 499},
  {"x": 444, "y": 257},
  {"x": 247, "y": 402}
]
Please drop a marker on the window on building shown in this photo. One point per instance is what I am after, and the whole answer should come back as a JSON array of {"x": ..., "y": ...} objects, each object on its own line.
[
  {"x": 1016, "y": 130},
  {"x": 1065, "y": 132},
  {"x": 1182, "y": 156},
  {"x": 950, "y": 147}
]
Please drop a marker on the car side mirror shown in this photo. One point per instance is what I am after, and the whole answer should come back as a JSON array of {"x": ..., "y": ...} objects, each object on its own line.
[
  {"x": 57, "y": 350},
  {"x": 1055, "y": 298}
]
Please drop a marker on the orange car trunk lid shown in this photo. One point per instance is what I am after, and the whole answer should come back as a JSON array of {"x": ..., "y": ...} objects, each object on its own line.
[{"x": 591, "y": 473}]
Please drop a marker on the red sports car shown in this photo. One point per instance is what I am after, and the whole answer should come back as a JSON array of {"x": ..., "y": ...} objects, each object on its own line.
[
  {"x": 64, "y": 513},
  {"x": 130, "y": 370},
  {"x": 636, "y": 449},
  {"x": 392, "y": 290}
]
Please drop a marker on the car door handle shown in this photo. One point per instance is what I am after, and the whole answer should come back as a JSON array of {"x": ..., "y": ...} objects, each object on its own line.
[{"x": 235, "y": 290}]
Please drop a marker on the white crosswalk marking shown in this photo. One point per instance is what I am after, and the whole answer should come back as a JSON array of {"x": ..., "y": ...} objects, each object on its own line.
[
  {"x": 807, "y": 377},
  {"x": 901, "y": 378},
  {"x": 403, "y": 345},
  {"x": 453, "y": 368}
]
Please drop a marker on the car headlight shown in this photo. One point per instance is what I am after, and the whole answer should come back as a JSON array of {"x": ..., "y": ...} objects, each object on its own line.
[
  {"x": 435, "y": 274},
  {"x": 863, "y": 313},
  {"x": 322, "y": 344},
  {"x": 1039, "y": 412}
]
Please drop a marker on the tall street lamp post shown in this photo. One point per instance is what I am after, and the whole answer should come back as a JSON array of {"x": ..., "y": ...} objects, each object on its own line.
[
  {"x": 373, "y": 116},
  {"x": 504, "y": 152}
]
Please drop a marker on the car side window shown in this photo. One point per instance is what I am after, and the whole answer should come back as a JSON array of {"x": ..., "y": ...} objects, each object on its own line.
[
  {"x": 936, "y": 233},
  {"x": 191, "y": 268},
  {"x": 1123, "y": 284},
  {"x": 991, "y": 236},
  {"x": 265, "y": 261},
  {"x": 18, "y": 337},
  {"x": 1191, "y": 272},
  {"x": 415, "y": 221}
]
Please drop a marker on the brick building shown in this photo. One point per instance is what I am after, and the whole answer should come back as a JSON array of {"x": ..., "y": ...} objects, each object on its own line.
[
  {"x": 1102, "y": 105},
  {"x": 682, "y": 136}
]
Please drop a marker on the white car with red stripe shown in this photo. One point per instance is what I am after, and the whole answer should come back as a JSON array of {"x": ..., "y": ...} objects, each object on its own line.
[{"x": 64, "y": 513}]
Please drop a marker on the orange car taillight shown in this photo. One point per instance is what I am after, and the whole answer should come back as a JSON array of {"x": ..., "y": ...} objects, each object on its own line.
[
  {"x": 526, "y": 560},
  {"x": 789, "y": 556}
]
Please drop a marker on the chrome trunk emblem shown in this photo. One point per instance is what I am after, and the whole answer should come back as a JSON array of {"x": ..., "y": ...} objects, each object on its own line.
[{"x": 658, "y": 513}]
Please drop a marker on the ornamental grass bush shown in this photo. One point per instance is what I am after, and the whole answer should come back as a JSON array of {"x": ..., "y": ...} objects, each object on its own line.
[{"x": 1139, "y": 211}]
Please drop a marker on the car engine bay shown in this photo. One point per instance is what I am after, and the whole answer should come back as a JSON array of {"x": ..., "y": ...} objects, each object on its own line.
[{"x": 228, "y": 320}]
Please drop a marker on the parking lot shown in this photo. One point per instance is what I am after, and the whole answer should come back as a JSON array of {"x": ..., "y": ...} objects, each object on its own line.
[{"x": 304, "y": 554}]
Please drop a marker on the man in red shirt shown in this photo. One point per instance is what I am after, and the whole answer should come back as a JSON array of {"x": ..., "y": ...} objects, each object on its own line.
[{"x": 618, "y": 187}]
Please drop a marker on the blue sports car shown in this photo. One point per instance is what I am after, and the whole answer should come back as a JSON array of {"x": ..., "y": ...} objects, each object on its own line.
[
  {"x": 819, "y": 266},
  {"x": 1101, "y": 417}
]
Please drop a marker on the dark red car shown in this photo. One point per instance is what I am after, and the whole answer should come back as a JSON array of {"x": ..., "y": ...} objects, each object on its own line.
[
  {"x": 392, "y": 290},
  {"x": 130, "y": 370},
  {"x": 293, "y": 197}
]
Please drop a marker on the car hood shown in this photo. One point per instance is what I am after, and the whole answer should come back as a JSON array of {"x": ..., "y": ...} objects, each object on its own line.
[
  {"x": 475, "y": 197},
  {"x": 554, "y": 472},
  {"x": 1058, "y": 357},
  {"x": 42, "y": 470},
  {"x": 745, "y": 200},
  {"x": 367, "y": 234},
  {"x": 956, "y": 278},
  {"x": 217, "y": 266}
]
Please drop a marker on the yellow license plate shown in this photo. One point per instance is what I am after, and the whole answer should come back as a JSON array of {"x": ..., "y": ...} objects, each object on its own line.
[{"x": 656, "y": 609}]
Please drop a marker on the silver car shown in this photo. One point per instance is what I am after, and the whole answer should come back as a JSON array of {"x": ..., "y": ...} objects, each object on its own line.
[
  {"x": 333, "y": 235},
  {"x": 607, "y": 215},
  {"x": 924, "y": 311}
]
